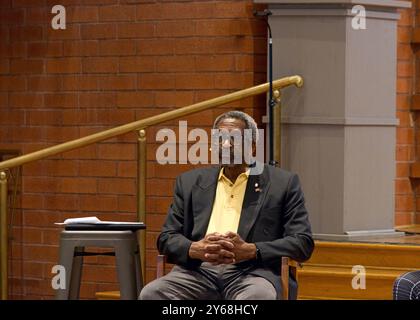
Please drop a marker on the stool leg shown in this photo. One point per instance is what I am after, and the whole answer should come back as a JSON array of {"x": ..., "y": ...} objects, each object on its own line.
[
  {"x": 65, "y": 260},
  {"x": 124, "y": 254},
  {"x": 76, "y": 274}
]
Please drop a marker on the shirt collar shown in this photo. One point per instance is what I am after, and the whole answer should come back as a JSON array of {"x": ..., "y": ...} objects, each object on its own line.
[{"x": 243, "y": 174}]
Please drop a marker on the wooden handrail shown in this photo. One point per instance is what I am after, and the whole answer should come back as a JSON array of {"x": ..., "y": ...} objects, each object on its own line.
[{"x": 144, "y": 123}]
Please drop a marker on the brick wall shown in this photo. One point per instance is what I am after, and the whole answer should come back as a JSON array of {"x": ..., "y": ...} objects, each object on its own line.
[
  {"x": 117, "y": 61},
  {"x": 405, "y": 187}
]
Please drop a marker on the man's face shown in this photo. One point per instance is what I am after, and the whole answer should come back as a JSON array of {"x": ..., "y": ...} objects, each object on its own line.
[{"x": 231, "y": 141}]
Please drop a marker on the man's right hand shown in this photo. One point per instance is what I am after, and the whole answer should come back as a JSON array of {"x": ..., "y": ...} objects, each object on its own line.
[{"x": 214, "y": 248}]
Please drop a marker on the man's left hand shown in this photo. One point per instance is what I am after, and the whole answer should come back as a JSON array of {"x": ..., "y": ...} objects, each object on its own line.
[{"x": 243, "y": 250}]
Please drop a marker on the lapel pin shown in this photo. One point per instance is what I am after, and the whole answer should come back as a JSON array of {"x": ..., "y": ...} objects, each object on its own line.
[{"x": 257, "y": 189}]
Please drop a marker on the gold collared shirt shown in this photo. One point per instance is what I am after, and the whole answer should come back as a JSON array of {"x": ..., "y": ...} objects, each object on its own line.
[{"x": 227, "y": 204}]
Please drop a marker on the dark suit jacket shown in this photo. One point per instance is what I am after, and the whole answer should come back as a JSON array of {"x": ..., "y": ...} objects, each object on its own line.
[{"x": 274, "y": 218}]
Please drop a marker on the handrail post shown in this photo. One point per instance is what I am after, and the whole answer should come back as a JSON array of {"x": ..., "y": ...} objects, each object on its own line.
[
  {"x": 141, "y": 195},
  {"x": 277, "y": 127},
  {"x": 3, "y": 235}
]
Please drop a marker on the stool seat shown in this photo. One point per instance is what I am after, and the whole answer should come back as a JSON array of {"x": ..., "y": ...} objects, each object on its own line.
[{"x": 125, "y": 248}]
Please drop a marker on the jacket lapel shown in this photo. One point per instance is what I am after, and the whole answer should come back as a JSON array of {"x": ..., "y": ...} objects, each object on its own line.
[
  {"x": 202, "y": 199},
  {"x": 255, "y": 193}
]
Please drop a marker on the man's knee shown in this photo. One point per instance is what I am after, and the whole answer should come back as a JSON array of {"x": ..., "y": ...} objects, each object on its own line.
[
  {"x": 261, "y": 290},
  {"x": 154, "y": 290}
]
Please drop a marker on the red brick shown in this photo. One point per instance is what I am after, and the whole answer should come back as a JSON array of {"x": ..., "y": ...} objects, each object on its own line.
[
  {"x": 72, "y": 32},
  {"x": 136, "y": 30},
  {"x": 99, "y": 31},
  {"x": 35, "y": 184},
  {"x": 33, "y": 269},
  {"x": 174, "y": 99},
  {"x": 176, "y": 64},
  {"x": 26, "y": 66},
  {"x": 137, "y": 64},
  {"x": 38, "y": 15},
  {"x": 406, "y": 17},
  {"x": 97, "y": 117},
  {"x": 98, "y": 203},
  {"x": 117, "y": 83},
  {"x": 404, "y": 51},
  {"x": 233, "y": 80},
  {"x": 404, "y": 203},
  {"x": 51, "y": 168},
  {"x": 11, "y": 16},
  {"x": 80, "y": 83},
  {"x": 405, "y": 136},
  {"x": 61, "y": 202},
  {"x": 402, "y": 219},
  {"x": 405, "y": 153},
  {"x": 51, "y": 237},
  {"x": 98, "y": 168},
  {"x": 195, "y": 81},
  {"x": 12, "y": 83},
  {"x": 40, "y": 218},
  {"x": 81, "y": 48},
  {"x": 117, "y": 151},
  {"x": 44, "y": 83},
  {"x": 32, "y": 201},
  {"x": 117, "y": 48},
  {"x": 11, "y": 117},
  {"x": 116, "y": 186},
  {"x": 32, "y": 235},
  {"x": 23, "y": 100},
  {"x": 26, "y": 33},
  {"x": 157, "y": 81},
  {"x": 64, "y": 65},
  {"x": 215, "y": 63},
  {"x": 127, "y": 169},
  {"x": 41, "y": 252},
  {"x": 138, "y": 99},
  {"x": 403, "y": 186},
  {"x": 61, "y": 100},
  {"x": 42, "y": 49},
  {"x": 88, "y": 152},
  {"x": 97, "y": 100},
  {"x": 159, "y": 187},
  {"x": 43, "y": 117},
  {"x": 15, "y": 49},
  {"x": 61, "y": 134},
  {"x": 4, "y": 66},
  {"x": 404, "y": 34},
  {"x": 251, "y": 63},
  {"x": 403, "y": 170},
  {"x": 81, "y": 14},
  {"x": 127, "y": 203},
  {"x": 403, "y": 102},
  {"x": 117, "y": 13},
  {"x": 179, "y": 28},
  {"x": 78, "y": 185},
  {"x": 100, "y": 65},
  {"x": 163, "y": 46}
]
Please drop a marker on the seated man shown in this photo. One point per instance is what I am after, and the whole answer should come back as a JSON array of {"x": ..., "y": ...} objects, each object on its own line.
[
  {"x": 229, "y": 226},
  {"x": 407, "y": 286}
]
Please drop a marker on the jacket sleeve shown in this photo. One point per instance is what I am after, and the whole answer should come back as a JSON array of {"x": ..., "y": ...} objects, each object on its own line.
[
  {"x": 297, "y": 242},
  {"x": 172, "y": 242}
]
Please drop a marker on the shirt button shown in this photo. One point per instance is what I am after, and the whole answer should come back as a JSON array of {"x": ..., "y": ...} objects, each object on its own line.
[{"x": 231, "y": 196}]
